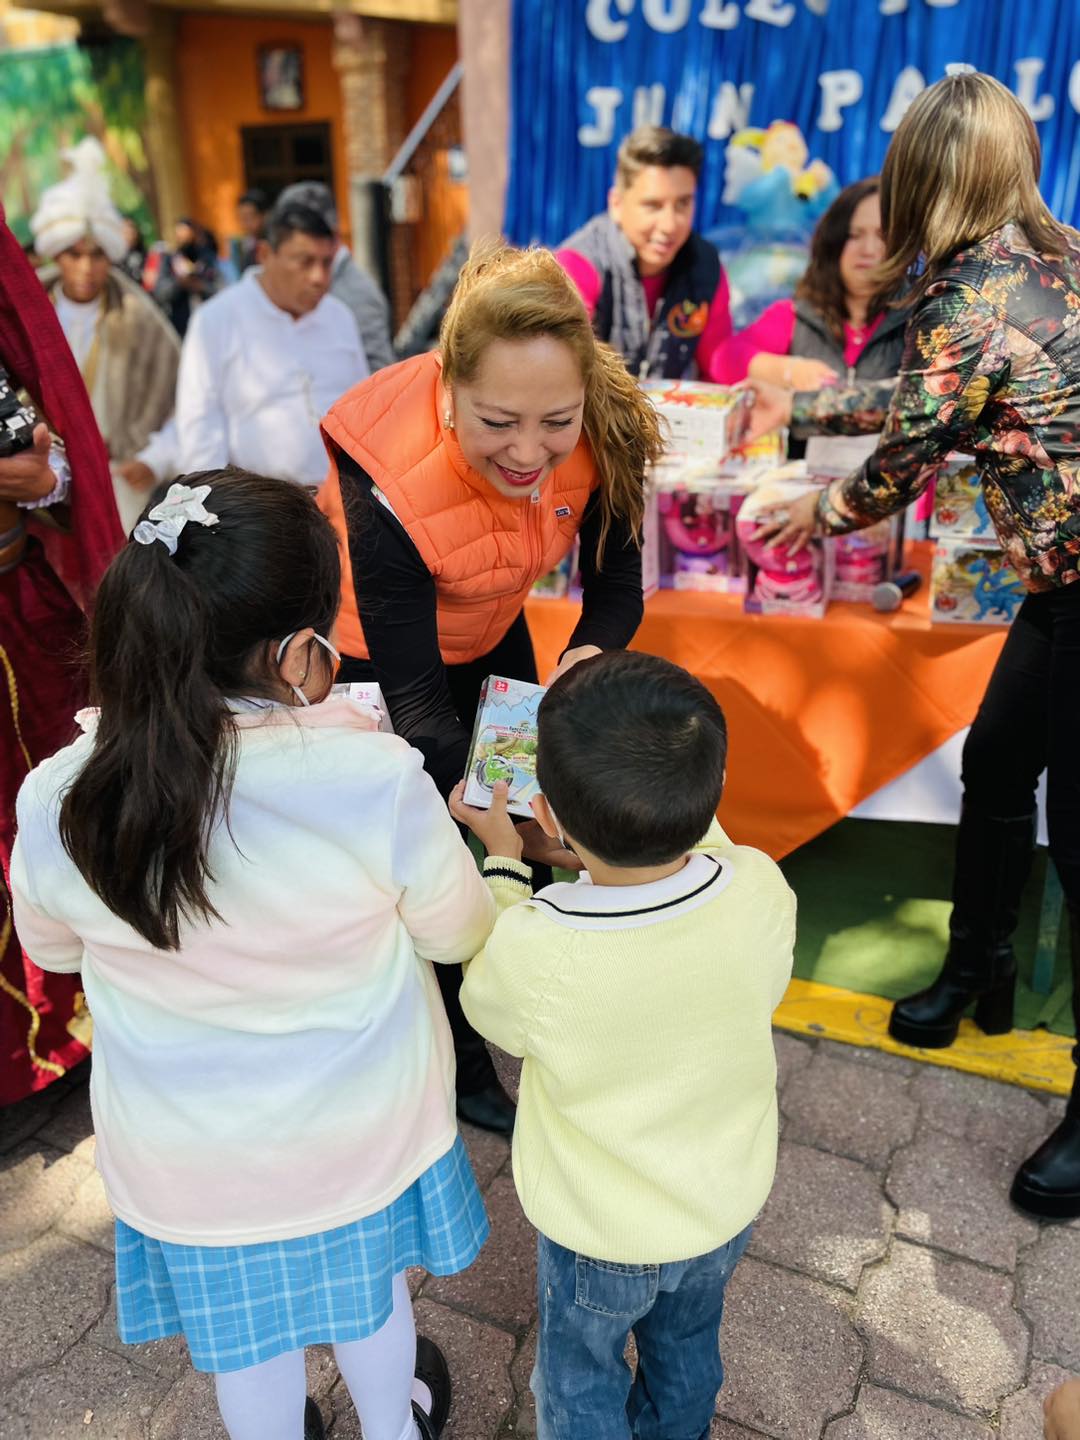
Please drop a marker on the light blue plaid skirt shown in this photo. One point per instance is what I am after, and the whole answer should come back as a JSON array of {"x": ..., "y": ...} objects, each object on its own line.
[{"x": 237, "y": 1305}]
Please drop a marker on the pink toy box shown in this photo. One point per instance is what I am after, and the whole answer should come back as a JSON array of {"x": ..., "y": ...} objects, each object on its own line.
[{"x": 779, "y": 581}]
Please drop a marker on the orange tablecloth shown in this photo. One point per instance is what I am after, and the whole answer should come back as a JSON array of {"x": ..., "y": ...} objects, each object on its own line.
[{"x": 821, "y": 712}]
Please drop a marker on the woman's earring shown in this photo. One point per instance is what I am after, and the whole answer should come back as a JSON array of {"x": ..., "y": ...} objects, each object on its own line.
[{"x": 448, "y": 419}]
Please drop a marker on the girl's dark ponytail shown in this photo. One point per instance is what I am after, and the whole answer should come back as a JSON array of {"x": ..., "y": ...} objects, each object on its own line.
[{"x": 175, "y": 638}]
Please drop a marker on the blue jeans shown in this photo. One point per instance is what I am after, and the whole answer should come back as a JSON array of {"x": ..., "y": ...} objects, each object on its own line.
[{"x": 582, "y": 1384}]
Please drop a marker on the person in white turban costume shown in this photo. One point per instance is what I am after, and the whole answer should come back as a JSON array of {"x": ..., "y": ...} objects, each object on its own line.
[{"x": 125, "y": 347}]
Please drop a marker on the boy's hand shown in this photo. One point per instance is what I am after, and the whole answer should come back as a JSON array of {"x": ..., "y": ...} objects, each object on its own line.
[
  {"x": 544, "y": 849},
  {"x": 493, "y": 828}
]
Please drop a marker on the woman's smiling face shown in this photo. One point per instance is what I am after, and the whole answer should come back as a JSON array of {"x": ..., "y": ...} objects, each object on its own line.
[{"x": 521, "y": 414}]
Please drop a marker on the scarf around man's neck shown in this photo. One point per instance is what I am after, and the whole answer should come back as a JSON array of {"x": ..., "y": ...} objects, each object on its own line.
[{"x": 610, "y": 253}]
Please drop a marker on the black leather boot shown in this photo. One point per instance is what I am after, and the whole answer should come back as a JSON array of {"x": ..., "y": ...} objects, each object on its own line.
[
  {"x": 993, "y": 861},
  {"x": 1048, "y": 1182}
]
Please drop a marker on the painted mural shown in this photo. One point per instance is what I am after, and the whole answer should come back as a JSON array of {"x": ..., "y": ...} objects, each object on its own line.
[{"x": 55, "y": 95}]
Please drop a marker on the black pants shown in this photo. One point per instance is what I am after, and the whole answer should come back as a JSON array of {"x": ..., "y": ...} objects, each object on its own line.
[
  {"x": 513, "y": 657},
  {"x": 1028, "y": 722}
]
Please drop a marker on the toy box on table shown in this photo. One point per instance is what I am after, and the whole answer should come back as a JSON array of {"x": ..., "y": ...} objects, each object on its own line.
[
  {"x": 864, "y": 558},
  {"x": 695, "y": 525},
  {"x": 504, "y": 744},
  {"x": 780, "y": 581},
  {"x": 972, "y": 583},
  {"x": 959, "y": 502},
  {"x": 702, "y": 419}
]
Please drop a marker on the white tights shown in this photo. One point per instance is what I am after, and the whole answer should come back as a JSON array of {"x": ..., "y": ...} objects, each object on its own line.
[{"x": 266, "y": 1402}]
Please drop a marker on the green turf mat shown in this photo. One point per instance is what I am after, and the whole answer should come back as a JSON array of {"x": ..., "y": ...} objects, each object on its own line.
[{"x": 874, "y": 913}]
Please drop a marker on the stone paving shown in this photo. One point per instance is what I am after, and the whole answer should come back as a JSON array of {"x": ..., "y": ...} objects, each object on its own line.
[{"x": 890, "y": 1292}]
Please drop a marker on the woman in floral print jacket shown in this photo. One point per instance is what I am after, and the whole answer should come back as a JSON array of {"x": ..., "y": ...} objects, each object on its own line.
[{"x": 991, "y": 367}]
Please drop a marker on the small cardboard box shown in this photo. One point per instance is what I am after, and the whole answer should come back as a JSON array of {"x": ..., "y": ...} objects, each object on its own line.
[
  {"x": 703, "y": 419},
  {"x": 959, "y": 502},
  {"x": 835, "y": 457},
  {"x": 972, "y": 583},
  {"x": 368, "y": 693},
  {"x": 504, "y": 744}
]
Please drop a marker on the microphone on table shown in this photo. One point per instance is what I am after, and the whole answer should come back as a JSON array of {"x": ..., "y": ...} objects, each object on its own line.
[{"x": 891, "y": 594}]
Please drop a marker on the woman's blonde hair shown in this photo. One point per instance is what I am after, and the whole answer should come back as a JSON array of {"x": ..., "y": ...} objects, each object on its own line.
[
  {"x": 509, "y": 294},
  {"x": 964, "y": 161}
]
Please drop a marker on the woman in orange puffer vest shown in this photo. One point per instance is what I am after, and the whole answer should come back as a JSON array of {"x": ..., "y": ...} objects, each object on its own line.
[{"x": 458, "y": 478}]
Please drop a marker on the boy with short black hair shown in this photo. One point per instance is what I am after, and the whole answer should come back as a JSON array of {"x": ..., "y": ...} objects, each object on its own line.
[{"x": 641, "y": 999}]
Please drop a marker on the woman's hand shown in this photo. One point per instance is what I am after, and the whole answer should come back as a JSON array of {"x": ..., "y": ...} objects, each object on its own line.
[
  {"x": 494, "y": 828},
  {"x": 772, "y": 408},
  {"x": 810, "y": 375},
  {"x": 27, "y": 475},
  {"x": 571, "y": 658},
  {"x": 791, "y": 524},
  {"x": 1062, "y": 1412},
  {"x": 791, "y": 372}
]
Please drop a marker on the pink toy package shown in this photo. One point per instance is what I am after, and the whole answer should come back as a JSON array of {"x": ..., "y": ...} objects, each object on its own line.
[
  {"x": 862, "y": 560},
  {"x": 697, "y": 537},
  {"x": 780, "y": 581}
]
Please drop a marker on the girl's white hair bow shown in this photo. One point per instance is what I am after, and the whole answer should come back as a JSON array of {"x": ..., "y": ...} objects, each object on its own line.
[{"x": 167, "y": 519}]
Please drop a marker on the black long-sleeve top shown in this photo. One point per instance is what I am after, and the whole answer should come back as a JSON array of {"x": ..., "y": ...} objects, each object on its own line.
[{"x": 396, "y": 601}]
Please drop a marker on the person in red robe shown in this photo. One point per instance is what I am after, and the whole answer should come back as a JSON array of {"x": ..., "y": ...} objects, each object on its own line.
[{"x": 51, "y": 558}]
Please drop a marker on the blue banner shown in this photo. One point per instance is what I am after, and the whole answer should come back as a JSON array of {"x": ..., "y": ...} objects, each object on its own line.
[{"x": 583, "y": 72}]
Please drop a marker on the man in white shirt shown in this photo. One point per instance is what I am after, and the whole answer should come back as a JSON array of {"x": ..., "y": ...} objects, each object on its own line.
[
  {"x": 263, "y": 361},
  {"x": 348, "y": 282}
]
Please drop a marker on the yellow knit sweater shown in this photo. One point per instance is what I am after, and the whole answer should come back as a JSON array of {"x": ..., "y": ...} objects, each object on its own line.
[{"x": 647, "y": 1120}]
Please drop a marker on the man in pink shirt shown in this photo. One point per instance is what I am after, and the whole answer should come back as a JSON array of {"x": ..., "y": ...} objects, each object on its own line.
[{"x": 655, "y": 289}]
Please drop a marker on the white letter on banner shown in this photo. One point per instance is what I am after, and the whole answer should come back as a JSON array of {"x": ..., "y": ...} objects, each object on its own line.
[
  {"x": 666, "y": 16},
  {"x": 1027, "y": 89},
  {"x": 599, "y": 22},
  {"x": 1074, "y": 87},
  {"x": 730, "y": 111},
  {"x": 909, "y": 83},
  {"x": 839, "y": 88},
  {"x": 941, "y": 4},
  {"x": 818, "y": 7},
  {"x": 771, "y": 11},
  {"x": 892, "y": 7},
  {"x": 649, "y": 105},
  {"x": 605, "y": 100},
  {"x": 719, "y": 15}
]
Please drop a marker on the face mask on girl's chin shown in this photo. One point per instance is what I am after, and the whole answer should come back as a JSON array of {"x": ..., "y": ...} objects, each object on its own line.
[{"x": 302, "y": 699}]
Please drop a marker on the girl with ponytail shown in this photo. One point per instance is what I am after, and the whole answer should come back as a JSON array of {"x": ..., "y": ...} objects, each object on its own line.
[
  {"x": 252, "y": 879},
  {"x": 457, "y": 479}
]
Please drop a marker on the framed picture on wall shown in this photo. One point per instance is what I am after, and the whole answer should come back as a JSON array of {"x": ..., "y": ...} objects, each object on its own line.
[{"x": 281, "y": 77}]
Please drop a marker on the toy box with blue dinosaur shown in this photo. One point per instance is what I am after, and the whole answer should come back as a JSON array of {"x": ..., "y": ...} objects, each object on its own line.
[{"x": 971, "y": 582}]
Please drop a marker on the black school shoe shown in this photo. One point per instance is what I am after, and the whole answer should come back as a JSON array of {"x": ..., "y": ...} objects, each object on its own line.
[
  {"x": 1048, "y": 1183},
  {"x": 432, "y": 1370},
  {"x": 488, "y": 1109},
  {"x": 314, "y": 1429}
]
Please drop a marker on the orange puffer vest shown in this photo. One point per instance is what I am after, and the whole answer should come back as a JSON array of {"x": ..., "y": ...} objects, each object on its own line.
[{"x": 484, "y": 550}]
